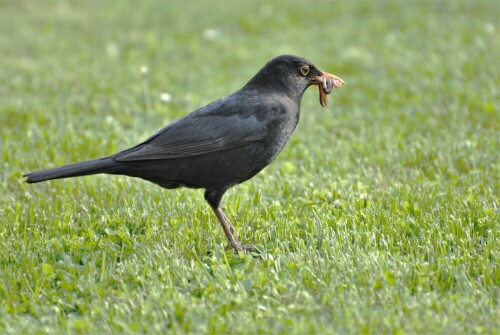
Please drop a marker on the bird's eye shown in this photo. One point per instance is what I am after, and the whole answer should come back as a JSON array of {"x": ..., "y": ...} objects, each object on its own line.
[{"x": 304, "y": 70}]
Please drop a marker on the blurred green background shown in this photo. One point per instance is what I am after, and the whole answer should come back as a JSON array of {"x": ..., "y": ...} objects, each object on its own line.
[{"x": 380, "y": 216}]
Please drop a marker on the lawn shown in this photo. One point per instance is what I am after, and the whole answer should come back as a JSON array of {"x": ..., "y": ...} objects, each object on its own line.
[{"x": 380, "y": 216}]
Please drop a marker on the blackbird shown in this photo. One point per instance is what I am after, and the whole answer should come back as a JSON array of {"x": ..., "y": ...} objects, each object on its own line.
[{"x": 222, "y": 144}]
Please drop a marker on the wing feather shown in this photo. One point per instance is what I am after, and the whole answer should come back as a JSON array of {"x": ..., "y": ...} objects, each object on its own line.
[{"x": 216, "y": 127}]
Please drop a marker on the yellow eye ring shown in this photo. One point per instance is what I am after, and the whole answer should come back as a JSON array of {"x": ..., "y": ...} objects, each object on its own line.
[{"x": 304, "y": 70}]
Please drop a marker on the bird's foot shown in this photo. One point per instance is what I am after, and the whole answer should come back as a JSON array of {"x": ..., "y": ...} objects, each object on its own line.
[
  {"x": 237, "y": 246},
  {"x": 231, "y": 234}
]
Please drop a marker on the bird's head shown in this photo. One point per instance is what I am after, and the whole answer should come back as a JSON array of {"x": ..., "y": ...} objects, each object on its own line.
[{"x": 294, "y": 75}]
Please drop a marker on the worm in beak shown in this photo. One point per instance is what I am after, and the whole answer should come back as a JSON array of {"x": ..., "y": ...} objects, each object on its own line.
[{"x": 326, "y": 83}]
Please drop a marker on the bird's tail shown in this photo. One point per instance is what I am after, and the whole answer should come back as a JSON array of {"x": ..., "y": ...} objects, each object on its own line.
[{"x": 100, "y": 165}]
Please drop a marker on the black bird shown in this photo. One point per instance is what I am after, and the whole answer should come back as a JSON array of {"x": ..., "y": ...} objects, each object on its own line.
[{"x": 222, "y": 144}]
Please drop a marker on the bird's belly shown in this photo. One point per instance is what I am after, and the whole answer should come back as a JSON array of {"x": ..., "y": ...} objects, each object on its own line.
[{"x": 223, "y": 169}]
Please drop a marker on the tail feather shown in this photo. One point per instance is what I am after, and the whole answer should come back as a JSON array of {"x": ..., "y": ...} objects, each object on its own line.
[{"x": 100, "y": 165}]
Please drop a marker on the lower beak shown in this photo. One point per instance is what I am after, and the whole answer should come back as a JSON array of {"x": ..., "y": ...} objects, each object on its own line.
[{"x": 326, "y": 83}]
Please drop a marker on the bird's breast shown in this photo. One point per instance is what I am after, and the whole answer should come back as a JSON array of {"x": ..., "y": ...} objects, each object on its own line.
[{"x": 279, "y": 129}]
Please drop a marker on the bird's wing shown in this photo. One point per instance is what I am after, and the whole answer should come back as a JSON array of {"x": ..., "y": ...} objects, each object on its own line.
[{"x": 217, "y": 127}]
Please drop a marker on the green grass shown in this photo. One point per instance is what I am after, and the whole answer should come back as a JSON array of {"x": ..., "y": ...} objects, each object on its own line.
[{"x": 381, "y": 216}]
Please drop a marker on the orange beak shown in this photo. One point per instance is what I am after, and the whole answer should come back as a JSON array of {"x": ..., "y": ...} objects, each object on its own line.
[{"x": 326, "y": 82}]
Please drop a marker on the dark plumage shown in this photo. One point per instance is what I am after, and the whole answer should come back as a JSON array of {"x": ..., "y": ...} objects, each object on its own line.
[{"x": 219, "y": 145}]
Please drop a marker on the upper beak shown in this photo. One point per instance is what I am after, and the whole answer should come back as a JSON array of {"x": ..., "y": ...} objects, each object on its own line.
[{"x": 326, "y": 82}]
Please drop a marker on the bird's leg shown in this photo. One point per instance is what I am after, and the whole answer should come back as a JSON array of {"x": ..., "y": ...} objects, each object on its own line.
[
  {"x": 230, "y": 225},
  {"x": 214, "y": 197},
  {"x": 228, "y": 229}
]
